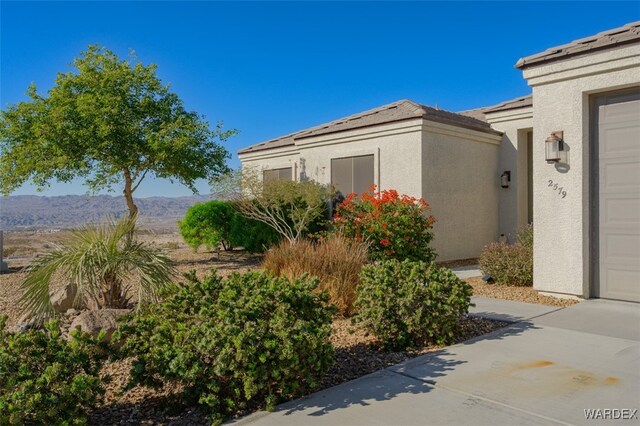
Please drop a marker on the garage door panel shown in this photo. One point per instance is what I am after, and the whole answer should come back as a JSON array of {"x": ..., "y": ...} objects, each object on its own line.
[
  {"x": 618, "y": 197},
  {"x": 620, "y": 174},
  {"x": 619, "y": 248},
  {"x": 620, "y": 211},
  {"x": 618, "y": 280},
  {"x": 620, "y": 112},
  {"x": 622, "y": 140}
]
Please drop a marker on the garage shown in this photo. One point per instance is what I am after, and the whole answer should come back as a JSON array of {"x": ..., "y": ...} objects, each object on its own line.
[{"x": 616, "y": 195}]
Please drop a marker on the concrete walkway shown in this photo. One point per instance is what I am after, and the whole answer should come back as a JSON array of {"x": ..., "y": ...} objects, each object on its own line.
[
  {"x": 466, "y": 272},
  {"x": 547, "y": 367}
]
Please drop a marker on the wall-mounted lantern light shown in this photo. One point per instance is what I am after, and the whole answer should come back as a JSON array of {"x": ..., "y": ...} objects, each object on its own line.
[
  {"x": 552, "y": 147},
  {"x": 505, "y": 178}
]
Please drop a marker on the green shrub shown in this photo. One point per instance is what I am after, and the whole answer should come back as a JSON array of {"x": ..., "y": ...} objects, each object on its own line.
[
  {"x": 45, "y": 379},
  {"x": 410, "y": 303},
  {"x": 294, "y": 209},
  {"x": 253, "y": 236},
  {"x": 395, "y": 226},
  {"x": 244, "y": 341},
  {"x": 336, "y": 261},
  {"x": 525, "y": 236},
  {"x": 208, "y": 224},
  {"x": 508, "y": 264},
  {"x": 218, "y": 222}
]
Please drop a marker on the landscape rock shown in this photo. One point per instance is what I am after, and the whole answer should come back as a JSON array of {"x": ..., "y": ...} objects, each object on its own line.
[
  {"x": 22, "y": 327},
  {"x": 62, "y": 299},
  {"x": 94, "y": 321}
]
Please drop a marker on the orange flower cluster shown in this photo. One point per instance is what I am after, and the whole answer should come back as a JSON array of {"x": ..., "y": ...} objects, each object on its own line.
[{"x": 396, "y": 225}]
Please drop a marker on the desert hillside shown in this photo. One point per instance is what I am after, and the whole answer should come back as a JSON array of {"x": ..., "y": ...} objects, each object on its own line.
[{"x": 37, "y": 212}]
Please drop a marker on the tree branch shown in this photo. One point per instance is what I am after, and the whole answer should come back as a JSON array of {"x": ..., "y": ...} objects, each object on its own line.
[{"x": 140, "y": 181}]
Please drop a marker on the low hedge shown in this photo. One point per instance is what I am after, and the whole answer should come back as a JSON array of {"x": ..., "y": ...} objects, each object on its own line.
[
  {"x": 410, "y": 303},
  {"x": 510, "y": 264},
  {"x": 45, "y": 379},
  {"x": 244, "y": 341}
]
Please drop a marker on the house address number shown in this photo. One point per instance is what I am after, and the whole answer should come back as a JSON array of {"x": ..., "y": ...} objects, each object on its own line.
[{"x": 554, "y": 185}]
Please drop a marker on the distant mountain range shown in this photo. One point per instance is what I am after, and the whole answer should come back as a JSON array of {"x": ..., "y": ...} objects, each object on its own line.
[{"x": 38, "y": 212}]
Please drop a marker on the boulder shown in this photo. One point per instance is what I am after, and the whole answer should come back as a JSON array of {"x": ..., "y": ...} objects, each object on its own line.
[
  {"x": 62, "y": 299},
  {"x": 94, "y": 321}
]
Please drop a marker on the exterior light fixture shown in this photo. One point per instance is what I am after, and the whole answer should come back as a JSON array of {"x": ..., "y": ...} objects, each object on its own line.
[
  {"x": 552, "y": 147},
  {"x": 505, "y": 178}
]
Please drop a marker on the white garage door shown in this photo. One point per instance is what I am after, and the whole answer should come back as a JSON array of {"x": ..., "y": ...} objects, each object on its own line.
[{"x": 617, "y": 145}]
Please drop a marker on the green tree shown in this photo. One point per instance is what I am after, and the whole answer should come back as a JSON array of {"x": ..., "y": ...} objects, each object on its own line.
[{"x": 110, "y": 122}]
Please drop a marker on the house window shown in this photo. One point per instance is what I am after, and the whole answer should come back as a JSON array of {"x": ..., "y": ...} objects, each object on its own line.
[
  {"x": 276, "y": 174},
  {"x": 352, "y": 174}
]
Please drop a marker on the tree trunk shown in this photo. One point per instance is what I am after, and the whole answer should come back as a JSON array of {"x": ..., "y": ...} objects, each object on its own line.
[{"x": 128, "y": 194}]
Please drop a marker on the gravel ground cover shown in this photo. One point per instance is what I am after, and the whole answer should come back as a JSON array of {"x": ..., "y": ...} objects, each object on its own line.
[{"x": 516, "y": 293}]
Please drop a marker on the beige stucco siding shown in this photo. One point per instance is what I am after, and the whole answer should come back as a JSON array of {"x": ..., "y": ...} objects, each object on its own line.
[
  {"x": 272, "y": 159},
  {"x": 395, "y": 147},
  {"x": 459, "y": 181},
  {"x": 513, "y": 201},
  {"x": 561, "y": 93}
]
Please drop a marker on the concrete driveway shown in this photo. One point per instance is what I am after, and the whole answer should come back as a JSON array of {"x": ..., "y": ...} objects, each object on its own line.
[{"x": 547, "y": 367}]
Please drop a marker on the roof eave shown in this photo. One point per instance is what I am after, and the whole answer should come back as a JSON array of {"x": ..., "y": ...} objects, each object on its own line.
[{"x": 534, "y": 60}]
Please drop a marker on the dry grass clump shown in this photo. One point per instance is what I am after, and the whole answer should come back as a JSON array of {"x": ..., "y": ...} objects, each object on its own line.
[{"x": 336, "y": 261}]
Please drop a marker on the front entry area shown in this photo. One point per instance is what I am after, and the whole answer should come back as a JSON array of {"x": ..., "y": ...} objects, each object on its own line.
[{"x": 616, "y": 195}]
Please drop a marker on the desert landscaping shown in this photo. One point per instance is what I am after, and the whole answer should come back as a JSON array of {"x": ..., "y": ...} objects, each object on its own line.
[
  {"x": 222, "y": 213},
  {"x": 356, "y": 352}
]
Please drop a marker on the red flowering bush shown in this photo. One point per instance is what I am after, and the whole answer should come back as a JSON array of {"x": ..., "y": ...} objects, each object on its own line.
[{"x": 395, "y": 226}]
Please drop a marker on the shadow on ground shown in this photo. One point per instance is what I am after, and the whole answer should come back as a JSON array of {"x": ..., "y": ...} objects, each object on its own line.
[{"x": 393, "y": 381}]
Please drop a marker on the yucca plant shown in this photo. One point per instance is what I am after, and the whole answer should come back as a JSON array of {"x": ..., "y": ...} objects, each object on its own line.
[{"x": 104, "y": 263}]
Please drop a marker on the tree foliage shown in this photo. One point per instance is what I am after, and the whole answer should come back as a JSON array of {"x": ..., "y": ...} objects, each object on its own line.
[{"x": 110, "y": 122}]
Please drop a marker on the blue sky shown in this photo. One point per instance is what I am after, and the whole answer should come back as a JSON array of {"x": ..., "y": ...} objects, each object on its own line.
[{"x": 268, "y": 69}]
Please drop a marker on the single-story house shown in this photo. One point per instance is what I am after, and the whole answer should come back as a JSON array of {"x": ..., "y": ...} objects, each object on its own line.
[{"x": 566, "y": 158}]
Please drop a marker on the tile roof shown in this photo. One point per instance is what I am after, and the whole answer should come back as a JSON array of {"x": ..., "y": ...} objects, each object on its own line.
[
  {"x": 609, "y": 39},
  {"x": 393, "y": 112},
  {"x": 477, "y": 113},
  {"x": 480, "y": 113},
  {"x": 521, "y": 102}
]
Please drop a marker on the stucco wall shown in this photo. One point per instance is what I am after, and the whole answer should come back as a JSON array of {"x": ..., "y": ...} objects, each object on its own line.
[
  {"x": 396, "y": 149},
  {"x": 561, "y": 93},
  {"x": 460, "y": 182},
  {"x": 273, "y": 159},
  {"x": 513, "y": 201}
]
